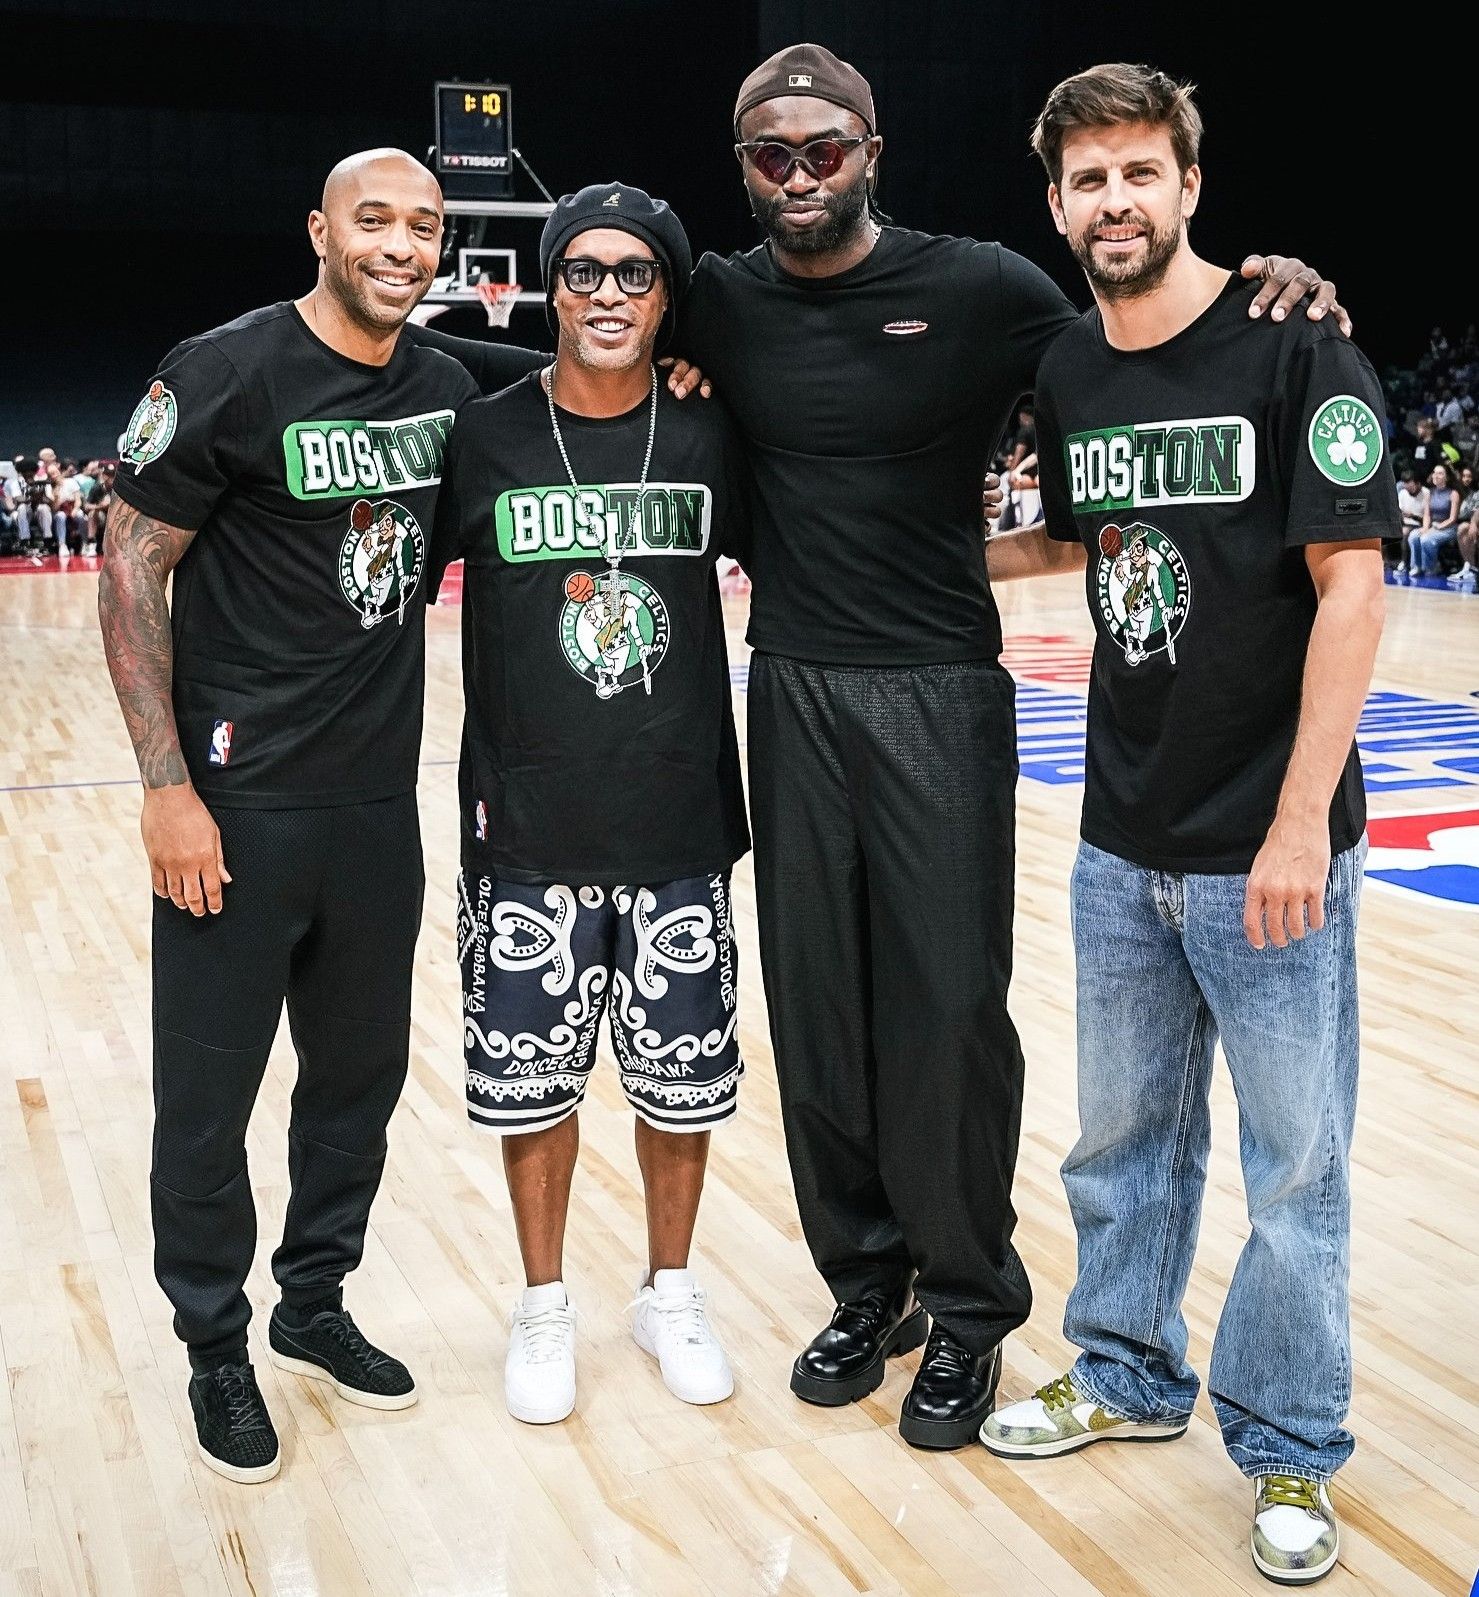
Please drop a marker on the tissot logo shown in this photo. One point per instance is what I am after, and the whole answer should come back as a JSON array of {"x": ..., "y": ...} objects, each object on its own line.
[{"x": 904, "y": 328}]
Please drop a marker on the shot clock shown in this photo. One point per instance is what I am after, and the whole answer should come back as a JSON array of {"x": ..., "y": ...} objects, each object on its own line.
[{"x": 474, "y": 140}]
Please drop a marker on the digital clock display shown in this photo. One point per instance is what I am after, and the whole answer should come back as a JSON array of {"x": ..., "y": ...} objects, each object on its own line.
[{"x": 474, "y": 129}]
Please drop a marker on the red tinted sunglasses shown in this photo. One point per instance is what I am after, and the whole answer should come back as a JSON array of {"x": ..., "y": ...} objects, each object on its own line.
[{"x": 822, "y": 158}]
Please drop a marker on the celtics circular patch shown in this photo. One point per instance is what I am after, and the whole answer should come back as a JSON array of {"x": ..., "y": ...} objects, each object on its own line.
[
  {"x": 151, "y": 426},
  {"x": 1143, "y": 590},
  {"x": 1346, "y": 440},
  {"x": 380, "y": 560},
  {"x": 613, "y": 630}
]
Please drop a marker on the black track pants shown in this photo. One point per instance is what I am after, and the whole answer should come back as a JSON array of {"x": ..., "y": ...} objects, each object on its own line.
[
  {"x": 322, "y": 911},
  {"x": 882, "y": 802}
]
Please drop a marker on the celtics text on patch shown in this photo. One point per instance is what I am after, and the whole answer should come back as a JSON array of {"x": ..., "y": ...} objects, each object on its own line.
[
  {"x": 336, "y": 459},
  {"x": 1199, "y": 460},
  {"x": 559, "y": 523}
]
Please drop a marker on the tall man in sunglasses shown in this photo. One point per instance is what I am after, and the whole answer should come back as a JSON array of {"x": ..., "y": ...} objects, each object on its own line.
[{"x": 872, "y": 370}]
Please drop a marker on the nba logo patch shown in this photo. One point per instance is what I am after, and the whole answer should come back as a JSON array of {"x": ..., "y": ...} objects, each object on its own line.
[
  {"x": 221, "y": 743},
  {"x": 480, "y": 821},
  {"x": 1429, "y": 855}
]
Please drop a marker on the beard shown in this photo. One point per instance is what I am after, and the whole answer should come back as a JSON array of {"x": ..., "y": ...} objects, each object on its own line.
[
  {"x": 351, "y": 288},
  {"x": 845, "y": 213},
  {"x": 1130, "y": 277}
]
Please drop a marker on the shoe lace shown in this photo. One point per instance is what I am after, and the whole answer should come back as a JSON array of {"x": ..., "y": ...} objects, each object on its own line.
[
  {"x": 683, "y": 1317},
  {"x": 1058, "y": 1394},
  {"x": 943, "y": 1349},
  {"x": 349, "y": 1336},
  {"x": 243, "y": 1409},
  {"x": 546, "y": 1332},
  {"x": 1290, "y": 1491}
]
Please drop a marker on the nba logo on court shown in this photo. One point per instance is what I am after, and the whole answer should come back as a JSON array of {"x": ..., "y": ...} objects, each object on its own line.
[
  {"x": 221, "y": 744},
  {"x": 1433, "y": 855}
]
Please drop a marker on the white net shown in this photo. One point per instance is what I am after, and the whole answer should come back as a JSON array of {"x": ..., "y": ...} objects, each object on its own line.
[{"x": 498, "y": 300}]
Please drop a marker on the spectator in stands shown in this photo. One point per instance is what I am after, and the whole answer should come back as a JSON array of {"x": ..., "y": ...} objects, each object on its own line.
[
  {"x": 1427, "y": 452},
  {"x": 35, "y": 508},
  {"x": 99, "y": 503},
  {"x": 68, "y": 519},
  {"x": 1025, "y": 443},
  {"x": 1468, "y": 529},
  {"x": 1450, "y": 414},
  {"x": 10, "y": 516},
  {"x": 1439, "y": 527},
  {"x": 1412, "y": 501}
]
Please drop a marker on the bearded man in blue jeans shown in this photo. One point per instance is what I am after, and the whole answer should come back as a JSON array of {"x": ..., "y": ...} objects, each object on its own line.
[{"x": 1222, "y": 482}]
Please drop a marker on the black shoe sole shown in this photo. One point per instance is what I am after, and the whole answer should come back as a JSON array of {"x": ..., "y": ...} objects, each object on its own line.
[
  {"x": 907, "y": 1335},
  {"x": 945, "y": 1436}
]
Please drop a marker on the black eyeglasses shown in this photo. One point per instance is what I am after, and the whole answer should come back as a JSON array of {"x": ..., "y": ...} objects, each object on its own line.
[
  {"x": 822, "y": 158},
  {"x": 583, "y": 275}
]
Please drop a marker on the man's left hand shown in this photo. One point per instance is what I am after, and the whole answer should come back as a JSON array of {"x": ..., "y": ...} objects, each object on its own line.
[
  {"x": 991, "y": 496},
  {"x": 685, "y": 377},
  {"x": 1286, "y": 281},
  {"x": 1287, "y": 883}
]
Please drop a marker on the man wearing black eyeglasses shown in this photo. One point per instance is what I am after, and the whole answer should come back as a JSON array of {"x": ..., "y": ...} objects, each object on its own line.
[
  {"x": 872, "y": 370},
  {"x": 602, "y": 805}
]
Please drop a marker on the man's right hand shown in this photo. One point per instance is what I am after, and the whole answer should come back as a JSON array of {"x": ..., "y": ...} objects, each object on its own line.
[{"x": 184, "y": 848}]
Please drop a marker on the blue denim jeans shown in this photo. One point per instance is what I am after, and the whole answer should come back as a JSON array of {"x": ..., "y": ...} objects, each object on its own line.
[{"x": 1164, "y": 969}]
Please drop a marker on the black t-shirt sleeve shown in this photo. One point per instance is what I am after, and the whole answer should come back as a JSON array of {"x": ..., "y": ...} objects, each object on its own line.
[
  {"x": 698, "y": 336},
  {"x": 448, "y": 539},
  {"x": 1052, "y": 474},
  {"x": 184, "y": 443},
  {"x": 1031, "y": 312},
  {"x": 732, "y": 531},
  {"x": 493, "y": 366},
  {"x": 1328, "y": 426}
]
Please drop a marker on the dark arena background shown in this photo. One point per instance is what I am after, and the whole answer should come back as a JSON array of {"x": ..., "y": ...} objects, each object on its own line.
[{"x": 158, "y": 162}]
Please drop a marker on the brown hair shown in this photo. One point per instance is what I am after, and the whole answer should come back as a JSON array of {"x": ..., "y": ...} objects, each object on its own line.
[{"x": 1111, "y": 96}]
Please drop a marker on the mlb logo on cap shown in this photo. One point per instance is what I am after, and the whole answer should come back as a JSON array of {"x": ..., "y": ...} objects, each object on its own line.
[
  {"x": 221, "y": 744},
  {"x": 1429, "y": 855},
  {"x": 799, "y": 80}
]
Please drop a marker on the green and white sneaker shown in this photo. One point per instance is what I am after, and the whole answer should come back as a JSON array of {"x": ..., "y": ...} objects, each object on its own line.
[
  {"x": 1295, "y": 1535},
  {"x": 1057, "y": 1418}
]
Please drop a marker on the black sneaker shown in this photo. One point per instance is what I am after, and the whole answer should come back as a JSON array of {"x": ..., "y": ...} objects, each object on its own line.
[
  {"x": 332, "y": 1348},
  {"x": 232, "y": 1423}
]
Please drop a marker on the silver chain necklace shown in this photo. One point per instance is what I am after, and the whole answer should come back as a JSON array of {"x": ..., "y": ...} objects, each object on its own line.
[{"x": 613, "y": 552}]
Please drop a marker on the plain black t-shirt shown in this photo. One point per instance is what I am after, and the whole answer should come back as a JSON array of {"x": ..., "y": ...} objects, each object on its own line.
[
  {"x": 871, "y": 402},
  {"x": 598, "y": 746},
  {"x": 298, "y": 624},
  {"x": 491, "y": 366},
  {"x": 1195, "y": 472}
]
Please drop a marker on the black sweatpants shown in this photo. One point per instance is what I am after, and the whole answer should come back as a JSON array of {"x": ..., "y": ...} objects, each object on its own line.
[
  {"x": 322, "y": 910},
  {"x": 883, "y": 808}
]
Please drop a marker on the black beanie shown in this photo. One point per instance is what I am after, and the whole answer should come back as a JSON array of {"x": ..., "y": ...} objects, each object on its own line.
[{"x": 632, "y": 211}]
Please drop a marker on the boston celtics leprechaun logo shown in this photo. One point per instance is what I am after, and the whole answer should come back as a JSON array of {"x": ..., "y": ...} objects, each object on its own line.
[
  {"x": 1346, "y": 440},
  {"x": 380, "y": 560},
  {"x": 613, "y": 630},
  {"x": 151, "y": 426},
  {"x": 1144, "y": 590}
]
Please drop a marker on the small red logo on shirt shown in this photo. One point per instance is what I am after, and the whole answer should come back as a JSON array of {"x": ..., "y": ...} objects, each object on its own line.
[{"x": 903, "y": 328}]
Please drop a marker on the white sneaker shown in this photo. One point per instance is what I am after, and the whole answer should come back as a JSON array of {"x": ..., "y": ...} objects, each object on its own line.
[
  {"x": 668, "y": 1321},
  {"x": 539, "y": 1371},
  {"x": 1295, "y": 1537}
]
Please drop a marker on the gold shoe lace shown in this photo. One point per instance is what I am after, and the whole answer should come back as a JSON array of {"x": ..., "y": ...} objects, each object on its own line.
[
  {"x": 1058, "y": 1394},
  {"x": 1291, "y": 1491}
]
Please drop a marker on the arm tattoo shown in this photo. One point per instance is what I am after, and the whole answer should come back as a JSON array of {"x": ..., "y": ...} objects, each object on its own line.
[{"x": 138, "y": 558}]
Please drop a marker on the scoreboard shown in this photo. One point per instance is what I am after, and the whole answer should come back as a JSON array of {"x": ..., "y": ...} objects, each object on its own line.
[{"x": 474, "y": 140}]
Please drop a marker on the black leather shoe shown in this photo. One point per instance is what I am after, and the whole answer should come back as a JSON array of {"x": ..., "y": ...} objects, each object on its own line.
[
  {"x": 952, "y": 1394},
  {"x": 845, "y": 1361}
]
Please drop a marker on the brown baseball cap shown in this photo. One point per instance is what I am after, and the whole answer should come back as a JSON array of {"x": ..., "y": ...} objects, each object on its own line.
[{"x": 807, "y": 69}]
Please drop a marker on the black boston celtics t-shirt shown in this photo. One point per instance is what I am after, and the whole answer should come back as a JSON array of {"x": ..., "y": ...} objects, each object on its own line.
[
  {"x": 1195, "y": 472},
  {"x": 297, "y": 611},
  {"x": 871, "y": 402},
  {"x": 598, "y": 746},
  {"x": 491, "y": 366}
]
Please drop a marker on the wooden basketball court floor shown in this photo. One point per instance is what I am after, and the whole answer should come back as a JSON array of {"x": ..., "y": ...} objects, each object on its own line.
[{"x": 100, "y": 1488}]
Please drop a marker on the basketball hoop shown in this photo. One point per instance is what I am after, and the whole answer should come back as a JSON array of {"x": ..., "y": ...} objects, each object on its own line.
[{"x": 498, "y": 300}]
